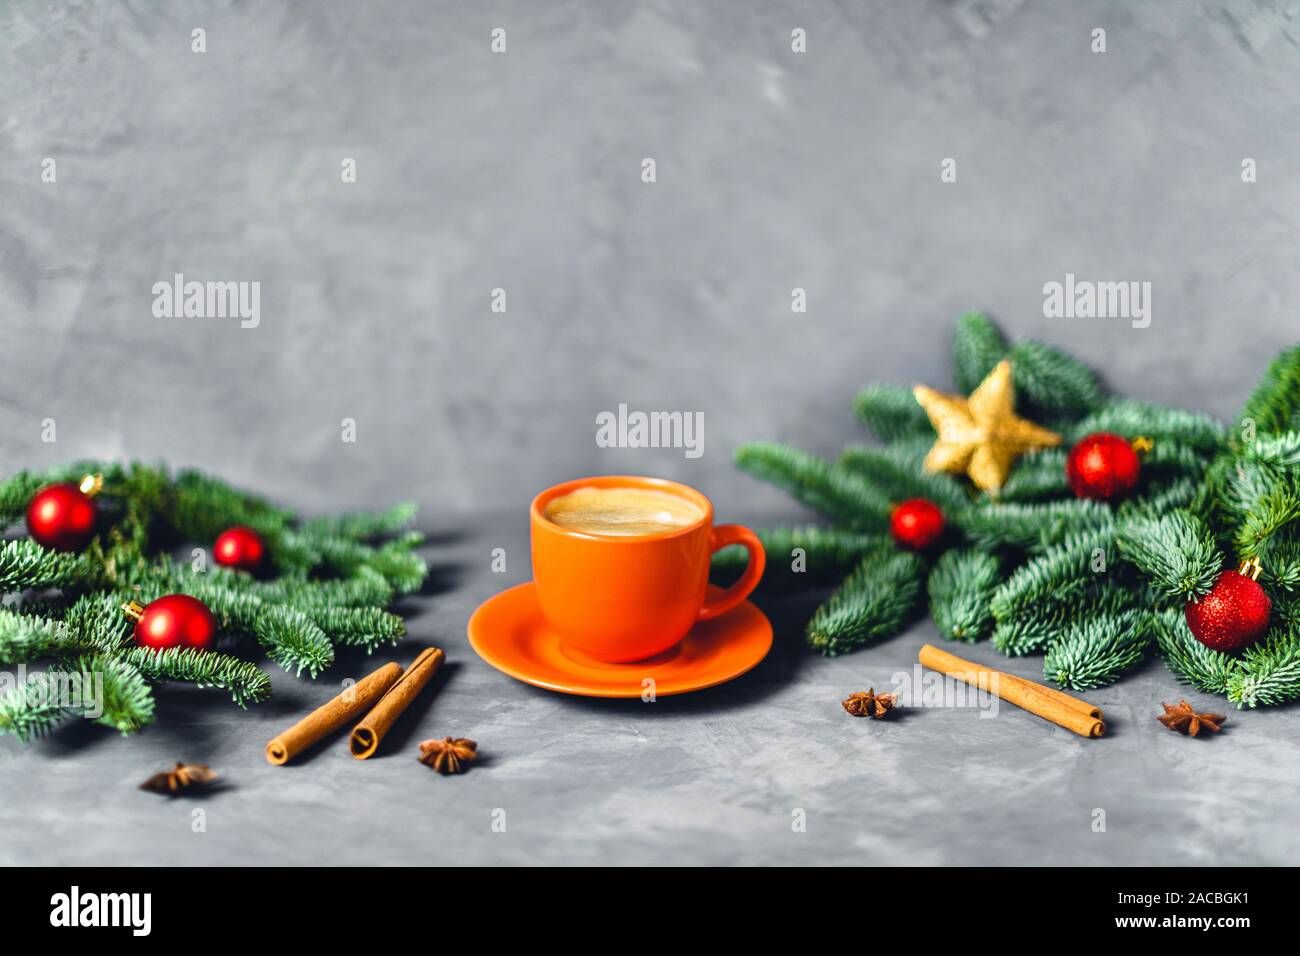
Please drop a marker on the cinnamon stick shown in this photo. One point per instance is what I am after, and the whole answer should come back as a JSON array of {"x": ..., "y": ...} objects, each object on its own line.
[
  {"x": 1074, "y": 703},
  {"x": 328, "y": 718},
  {"x": 1058, "y": 707},
  {"x": 367, "y": 735}
]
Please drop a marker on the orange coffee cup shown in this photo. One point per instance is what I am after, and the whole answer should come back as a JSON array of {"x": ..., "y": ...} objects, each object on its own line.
[{"x": 628, "y": 597}]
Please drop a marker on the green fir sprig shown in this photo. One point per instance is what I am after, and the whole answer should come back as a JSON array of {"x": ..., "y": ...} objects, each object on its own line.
[
  {"x": 875, "y": 601},
  {"x": 961, "y": 594},
  {"x": 1094, "y": 586},
  {"x": 329, "y": 582}
]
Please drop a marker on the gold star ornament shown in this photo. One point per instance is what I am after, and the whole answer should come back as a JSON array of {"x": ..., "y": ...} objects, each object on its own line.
[{"x": 981, "y": 436}]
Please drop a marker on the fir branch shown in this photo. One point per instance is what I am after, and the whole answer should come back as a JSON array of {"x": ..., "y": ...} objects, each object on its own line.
[
  {"x": 51, "y": 604},
  {"x": 1053, "y": 383},
  {"x": 874, "y": 601},
  {"x": 1178, "y": 494},
  {"x": 1169, "y": 458},
  {"x": 1269, "y": 516},
  {"x": 1286, "y": 610},
  {"x": 363, "y": 525},
  {"x": 246, "y": 682},
  {"x": 112, "y": 472},
  {"x": 960, "y": 588},
  {"x": 25, "y": 564},
  {"x": 26, "y": 637},
  {"x": 126, "y": 562},
  {"x": 1096, "y": 650},
  {"x": 892, "y": 413},
  {"x": 1031, "y": 630},
  {"x": 1282, "y": 450},
  {"x": 1269, "y": 674},
  {"x": 367, "y": 627},
  {"x": 1281, "y": 562},
  {"x": 293, "y": 640},
  {"x": 835, "y": 492},
  {"x": 290, "y": 637},
  {"x": 1190, "y": 660},
  {"x": 1041, "y": 475},
  {"x": 1274, "y": 407},
  {"x": 1174, "y": 427},
  {"x": 827, "y": 553},
  {"x": 366, "y": 587},
  {"x": 127, "y": 702},
  {"x": 1037, "y": 476},
  {"x": 399, "y": 564},
  {"x": 977, "y": 346},
  {"x": 291, "y": 554},
  {"x": 1177, "y": 551},
  {"x": 1245, "y": 482},
  {"x": 204, "y": 506},
  {"x": 33, "y": 708},
  {"x": 98, "y": 622},
  {"x": 1072, "y": 565},
  {"x": 97, "y": 686},
  {"x": 1032, "y": 525},
  {"x": 403, "y": 569},
  {"x": 899, "y": 477},
  {"x": 16, "y": 493}
]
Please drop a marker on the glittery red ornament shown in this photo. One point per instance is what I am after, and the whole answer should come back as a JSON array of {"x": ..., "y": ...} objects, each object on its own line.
[
  {"x": 1102, "y": 466},
  {"x": 1233, "y": 615},
  {"x": 239, "y": 547},
  {"x": 63, "y": 516},
  {"x": 916, "y": 523},
  {"x": 175, "y": 620}
]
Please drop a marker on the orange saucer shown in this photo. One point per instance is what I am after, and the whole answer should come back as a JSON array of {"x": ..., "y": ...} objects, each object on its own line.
[{"x": 509, "y": 632}]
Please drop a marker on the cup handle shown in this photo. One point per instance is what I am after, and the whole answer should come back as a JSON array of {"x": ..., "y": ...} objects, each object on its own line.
[{"x": 728, "y": 534}]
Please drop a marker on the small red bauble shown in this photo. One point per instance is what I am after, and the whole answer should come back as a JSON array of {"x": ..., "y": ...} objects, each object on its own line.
[
  {"x": 63, "y": 516},
  {"x": 1102, "y": 466},
  {"x": 239, "y": 547},
  {"x": 916, "y": 523},
  {"x": 1233, "y": 615},
  {"x": 174, "y": 620}
]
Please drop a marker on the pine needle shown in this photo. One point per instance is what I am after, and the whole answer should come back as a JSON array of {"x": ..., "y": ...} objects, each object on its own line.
[
  {"x": 1177, "y": 551},
  {"x": 1096, "y": 650},
  {"x": 961, "y": 588},
  {"x": 875, "y": 601},
  {"x": 833, "y": 491}
]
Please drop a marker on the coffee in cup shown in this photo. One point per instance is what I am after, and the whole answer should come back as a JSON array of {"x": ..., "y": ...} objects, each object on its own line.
[
  {"x": 621, "y": 564},
  {"x": 622, "y": 512}
]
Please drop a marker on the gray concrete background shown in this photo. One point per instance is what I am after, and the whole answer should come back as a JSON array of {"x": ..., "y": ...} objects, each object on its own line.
[{"x": 521, "y": 171}]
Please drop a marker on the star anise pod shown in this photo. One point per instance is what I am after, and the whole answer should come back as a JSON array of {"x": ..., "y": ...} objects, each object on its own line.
[
  {"x": 1185, "y": 720},
  {"x": 869, "y": 704},
  {"x": 448, "y": 755},
  {"x": 185, "y": 776}
]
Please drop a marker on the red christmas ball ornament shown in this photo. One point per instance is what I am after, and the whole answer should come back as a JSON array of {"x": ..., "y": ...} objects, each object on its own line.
[
  {"x": 63, "y": 516},
  {"x": 916, "y": 523},
  {"x": 174, "y": 620},
  {"x": 1235, "y": 612},
  {"x": 239, "y": 547},
  {"x": 1104, "y": 466}
]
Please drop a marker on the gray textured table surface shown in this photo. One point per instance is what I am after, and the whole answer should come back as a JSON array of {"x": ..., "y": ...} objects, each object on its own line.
[
  {"x": 521, "y": 171},
  {"x": 713, "y": 777}
]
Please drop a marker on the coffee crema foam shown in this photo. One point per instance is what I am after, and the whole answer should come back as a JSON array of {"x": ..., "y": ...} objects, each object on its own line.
[{"x": 621, "y": 512}]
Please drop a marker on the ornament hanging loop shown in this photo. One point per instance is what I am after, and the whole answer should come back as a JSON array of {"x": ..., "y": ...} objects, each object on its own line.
[
  {"x": 91, "y": 485},
  {"x": 1251, "y": 568}
]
